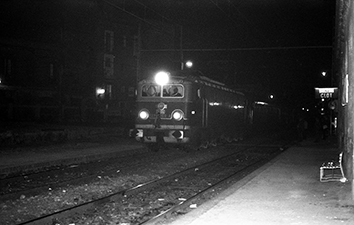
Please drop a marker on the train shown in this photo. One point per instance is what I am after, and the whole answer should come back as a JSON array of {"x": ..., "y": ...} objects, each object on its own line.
[{"x": 189, "y": 110}]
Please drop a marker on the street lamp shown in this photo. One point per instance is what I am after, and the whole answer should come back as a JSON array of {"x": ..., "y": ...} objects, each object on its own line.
[{"x": 189, "y": 64}]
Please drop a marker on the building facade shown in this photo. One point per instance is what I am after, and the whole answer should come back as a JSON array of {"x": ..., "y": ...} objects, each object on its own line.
[{"x": 68, "y": 61}]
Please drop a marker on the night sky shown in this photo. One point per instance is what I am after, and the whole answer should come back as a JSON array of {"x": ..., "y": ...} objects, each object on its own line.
[{"x": 279, "y": 45}]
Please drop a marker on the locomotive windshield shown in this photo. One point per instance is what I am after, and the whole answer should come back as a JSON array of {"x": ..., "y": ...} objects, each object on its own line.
[
  {"x": 175, "y": 90},
  {"x": 150, "y": 90},
  {"x": 168, "y": 91}
]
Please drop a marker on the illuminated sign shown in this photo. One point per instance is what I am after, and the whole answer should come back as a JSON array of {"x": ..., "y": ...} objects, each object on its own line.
[{"x": 331, "y": 93}]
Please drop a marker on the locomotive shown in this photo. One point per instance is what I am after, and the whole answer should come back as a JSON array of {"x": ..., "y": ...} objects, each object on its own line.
[{"x": 186, "y": 108}]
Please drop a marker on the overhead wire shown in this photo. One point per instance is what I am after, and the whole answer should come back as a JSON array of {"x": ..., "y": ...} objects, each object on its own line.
[
  {"x": 137, "y": 16},
  {"x": 248, "y": 49}
]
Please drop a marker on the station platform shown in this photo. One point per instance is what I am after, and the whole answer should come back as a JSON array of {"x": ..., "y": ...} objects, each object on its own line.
[{"x": 287, "y": 190}]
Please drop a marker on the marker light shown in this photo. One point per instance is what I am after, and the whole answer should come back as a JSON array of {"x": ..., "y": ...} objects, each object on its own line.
[
  {"x": 177, "y": 115},
  {"x": 161, "y": 78},
  {"x": 143, "y": 114}
]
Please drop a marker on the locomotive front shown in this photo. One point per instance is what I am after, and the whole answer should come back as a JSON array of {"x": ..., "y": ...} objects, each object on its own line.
[{"x": 161, "y": 104}]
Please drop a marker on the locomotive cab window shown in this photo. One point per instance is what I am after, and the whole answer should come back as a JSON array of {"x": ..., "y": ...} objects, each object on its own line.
[
  {"x": 174, "y": 91},
  {"x": 149, "y": 90}
]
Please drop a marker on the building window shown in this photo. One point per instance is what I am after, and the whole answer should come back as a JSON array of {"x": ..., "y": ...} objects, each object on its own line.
[
  {"x": 136, "y": 47},
  {"x": 109, "y": 91},
  {"x": 6, "y": 68},
  {"x": 131, "y": 91},
  {"x": 108, "y": 65},
  {"x": 124, "y": 41},
  {"x": 108, "y": 40},
  {"x": 51, "y": 70}
]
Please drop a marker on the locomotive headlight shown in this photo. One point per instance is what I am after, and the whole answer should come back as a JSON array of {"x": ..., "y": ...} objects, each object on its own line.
[
  {"x": 162, "y": 78},
  {"x": 177, "y": 115},
  {"x": 144, "y": 114}
]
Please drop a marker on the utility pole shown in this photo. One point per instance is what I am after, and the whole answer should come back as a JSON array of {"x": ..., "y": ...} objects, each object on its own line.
[
  {"x": 181, "y": 46},
  {"x": 138, "y": 54}
]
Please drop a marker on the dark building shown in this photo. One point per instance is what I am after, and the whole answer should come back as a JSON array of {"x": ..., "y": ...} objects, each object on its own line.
[{"x": 69, "y": 60}]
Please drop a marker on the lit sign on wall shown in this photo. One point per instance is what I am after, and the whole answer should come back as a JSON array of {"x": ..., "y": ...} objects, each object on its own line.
[{"x": 331, "y": 93}]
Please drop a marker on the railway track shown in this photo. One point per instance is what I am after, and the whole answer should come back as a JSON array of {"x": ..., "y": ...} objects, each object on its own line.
[
  {"x": 160, "y": 198},
  {"x": 32, "y": 183}
]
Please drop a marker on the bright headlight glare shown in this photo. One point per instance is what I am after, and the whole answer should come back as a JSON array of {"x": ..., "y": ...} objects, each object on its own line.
[
  {"x": 144, "y": 115},
  {"x": 177, "y": 115},
  {"x": 162, "y": 78}
]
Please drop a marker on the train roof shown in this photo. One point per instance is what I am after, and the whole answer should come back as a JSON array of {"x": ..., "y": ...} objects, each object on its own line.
[
  {"x": 198, "y": 77},
  {"x": 195, "y": 75}
]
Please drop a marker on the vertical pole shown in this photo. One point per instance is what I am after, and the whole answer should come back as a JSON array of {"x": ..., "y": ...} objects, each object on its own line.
[
  {"x": 61, "y": 74},
  {"x": 181, "y": 46},
  {"x": 138, "y": 55},
  {"x": 350, "y": 69}
]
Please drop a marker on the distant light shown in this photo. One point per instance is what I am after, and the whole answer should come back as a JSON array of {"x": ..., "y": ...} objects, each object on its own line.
[
  {"x": 271, "y": 96},
  {"x": 335, "y": 123},
  {"x": 214, "y": 103},
  {"x": 324, "y": 73},
  {"x": 189, "y": 64},
  {"x": 161, "y": 78},
  {"x": 100, "y": 91},
  {"x": 238, "y": 107},
  {"x": 261, "y": 103}
]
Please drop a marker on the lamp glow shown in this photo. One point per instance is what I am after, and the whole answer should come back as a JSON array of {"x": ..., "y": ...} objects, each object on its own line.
[
  {"x": 189, "y": 64},
  {"x": 161, "y": 78},
  {"x": 144, "y": 115},
  {"x": 100, "y": 91},
  {"x": 177, "y": 115}
]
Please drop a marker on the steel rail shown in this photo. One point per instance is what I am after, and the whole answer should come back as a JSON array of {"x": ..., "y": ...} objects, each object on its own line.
[
  {"x": 55, "y": 216},
  {"x": 49, "y": 218},
  {"x": 34, "y": 190}
]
